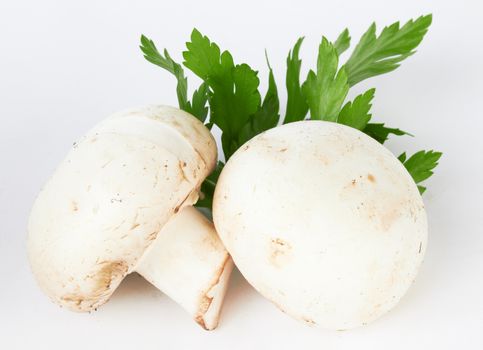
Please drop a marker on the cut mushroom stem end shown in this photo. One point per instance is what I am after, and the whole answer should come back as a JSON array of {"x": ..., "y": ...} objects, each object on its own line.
[{"x": 195, "y": 271}]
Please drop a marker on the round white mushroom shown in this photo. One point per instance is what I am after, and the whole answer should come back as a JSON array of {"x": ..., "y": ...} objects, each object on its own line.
[
  {"x": 323, "y": 221},
  {"x": 109, "y": 200}
]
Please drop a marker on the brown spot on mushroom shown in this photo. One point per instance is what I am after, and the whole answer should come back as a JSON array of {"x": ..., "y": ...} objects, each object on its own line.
[
  {"x": 389, "y": 217},
  {"x": 371, "y": 178},
  {"x": 156, "y": 178},
  {"x": 204, "y": 305},
  {"x": 135, "y": 219},
  {"x": 353, "y": 182},
  {"x": 198, "y": 132},
  {"x": 195, "y": 173},
  {"x": 283, "y": 150},
  {"x": 181, "y": 171},
  {"x": 279, "y": 252},
  {"x": 309, "y": 321},
  {"x": 200, "y": 156},
  {"x": 420, "y": 247},
  {"x": 324, "y": 159},
  {"x": 73, "y": 299},
  {"x": 176, "y": 123},
  {"x": 111, "y": 271},
  {"x": 118, "y": 226},
  {"x": 74, "y": 206},
  {"x": 152, "y": 236},
  {"x": 277, "y": 305},
  {"x": 179, "y": 206},
  {"x": 106, "y": 279}
]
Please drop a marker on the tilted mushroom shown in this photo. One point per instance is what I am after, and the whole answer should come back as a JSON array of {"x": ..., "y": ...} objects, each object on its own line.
[
  {"x": 322, "y": 220},
  {"x": 119, "y": 203}
]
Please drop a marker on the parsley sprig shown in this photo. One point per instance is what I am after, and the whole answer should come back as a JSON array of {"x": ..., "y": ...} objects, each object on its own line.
[
  {"x": 198, "y": 106},
  {"x": 229, "y": 91},
  {"x": 381, "y": 54},
  {"x": 420, "y": 165}
]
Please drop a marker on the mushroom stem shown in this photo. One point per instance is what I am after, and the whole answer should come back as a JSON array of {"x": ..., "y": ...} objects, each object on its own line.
[{"x": 188, "y": 262}]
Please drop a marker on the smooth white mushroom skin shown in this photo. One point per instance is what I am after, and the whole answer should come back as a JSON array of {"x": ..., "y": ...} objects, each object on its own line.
[
  {"x": 108, "y": 200},
  {"x": 323, "y": 221},
  {"x": 194, "y": 271}
]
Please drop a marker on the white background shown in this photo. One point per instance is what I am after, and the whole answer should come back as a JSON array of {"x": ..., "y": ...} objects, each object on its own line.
[{"x": 65, "y": 65}]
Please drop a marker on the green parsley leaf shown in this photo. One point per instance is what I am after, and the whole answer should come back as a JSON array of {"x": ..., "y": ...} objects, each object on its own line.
[
  {"x": 421, "y": 189},
  {"x": 242, "y": 105},
  {"x": 326, "y": 90},
  {"x": 379, "y": 132},
  {"x": 343, "y": 42},
  {"x": 297, "y": 107},
  {"x": 233, "y": 95},
  {"x": 152, "y": 54},
  {"x": 203, "y": 57},
  {"x": 402, "y": 157},
  {"x": 376, "y": 55},
  {"x": 267, "y": 116},
  {"x": 420, "y": 165},
  {"x": 356, "y": 114},
  {"x": 198, "y": 106}
]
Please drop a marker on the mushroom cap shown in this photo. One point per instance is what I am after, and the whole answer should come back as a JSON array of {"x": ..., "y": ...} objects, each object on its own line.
[
  {"x": 106, "y": 202},
  {"x": 323, "y": 221}
]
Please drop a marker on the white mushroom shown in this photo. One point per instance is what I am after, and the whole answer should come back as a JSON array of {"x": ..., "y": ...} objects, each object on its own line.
[
  {"x": 105, "y": 211},
  {"x": 323, "y": 221}
]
